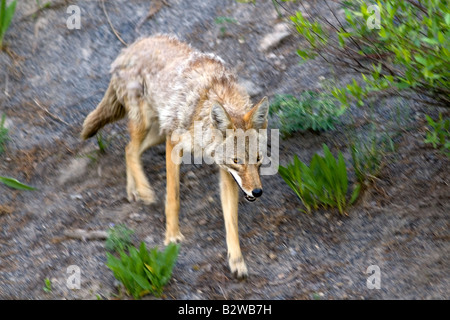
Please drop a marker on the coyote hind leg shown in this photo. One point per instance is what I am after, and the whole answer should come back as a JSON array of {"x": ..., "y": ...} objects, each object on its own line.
[{"x": 142, "y": 137}]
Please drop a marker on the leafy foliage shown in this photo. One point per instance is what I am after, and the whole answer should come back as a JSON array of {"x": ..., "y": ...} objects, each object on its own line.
[
  {"x": 408, "y": 51},
  {"x": 312, "y": 110},
  {"x": 223, "y": 22},
  {"x": 3, "y": 134},
  {"x": 6, "y": 15},
  {"x": 119, "y": 238},
  {"x": 47, "y": 285},
  {"x": 143, "y": 271},
  {"x": 323, "y": 183},
  {"x": 439, "y": 134},
  {"x": 13, "y": 183},
  {"x": 368, "y": 155}
]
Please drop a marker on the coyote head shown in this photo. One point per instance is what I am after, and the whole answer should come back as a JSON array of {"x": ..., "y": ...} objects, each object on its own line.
[{"x": 242, "y": 145}]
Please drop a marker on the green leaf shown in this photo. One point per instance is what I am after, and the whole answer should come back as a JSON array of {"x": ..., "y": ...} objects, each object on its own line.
[
  {"x": 9, "y": 13},
  {"x": 355, "y": 193},
  {"x": 13, "y": 183},
  {"x": 342, "y": 171},
  {"x": 431, "y": 41},
  {"x": 441, "y": 38},
  {"x": 420, "y": 59},
  {"x": 303, "y": 54},
  {"x": 141, "y": 281},
  {"x": 2, "y": 16}
]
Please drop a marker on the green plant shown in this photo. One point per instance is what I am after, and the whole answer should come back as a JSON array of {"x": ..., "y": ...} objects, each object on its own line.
[
  {"x": 47, "y": 285},
  {"x": 222, "y": 22},
  {"x": 439, "y": 134},
  {"x": 102, "y": 143},
  {"x": 312, "y": 110},
  {"x": 323, "y": 183},
  {"x": 119, "y": 238},
  {"x": 406, "y": 51},
  {"x": 13, "y": 183},
  {"x": 368, "y": 154},
  {"x": 3, "y": 134},
  {"x": 6, "y": 15},
  {"x": 143, "y": 271},
  {"x": 44, "y": 6}
]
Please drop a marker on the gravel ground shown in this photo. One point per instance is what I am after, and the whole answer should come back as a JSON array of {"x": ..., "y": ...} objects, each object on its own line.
[{"x": 51, "y": 77}]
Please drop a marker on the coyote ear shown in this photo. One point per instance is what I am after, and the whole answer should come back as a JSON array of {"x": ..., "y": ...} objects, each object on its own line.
[
  {"x": 219, "y": 117},
  {"x": 259, "y": 114}
]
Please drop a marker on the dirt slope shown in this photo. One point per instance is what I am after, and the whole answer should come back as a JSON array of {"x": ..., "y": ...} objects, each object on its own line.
[{"x": 52, "y": 77}]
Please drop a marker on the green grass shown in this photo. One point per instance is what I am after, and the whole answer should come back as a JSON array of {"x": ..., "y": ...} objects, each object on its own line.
[
  {"x": 6, "y": 15},
  {"x": 324, "y": 183},
  {"x": 368, "y": 154},
  {"x": 4, "y": 134},
  {"x": 144, "y": 271},
  {"x": 44, "y": 6},
  {"x": 119, "y": 238},
  {"x": 47, "y": 285},
  {"x": 15, "y": 184},
  {"x": 310, "y": 111},
  {"x": 102, "y": 143},
  {"x": 438, "y": 134},
  {"x": 223, "y": 22}
]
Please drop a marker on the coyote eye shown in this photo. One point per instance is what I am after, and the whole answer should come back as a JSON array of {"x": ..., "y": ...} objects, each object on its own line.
[{"x": 235, "y": 160}]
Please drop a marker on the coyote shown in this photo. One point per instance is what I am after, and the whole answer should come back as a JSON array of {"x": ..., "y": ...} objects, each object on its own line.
[{"x": 164, "y": 85}]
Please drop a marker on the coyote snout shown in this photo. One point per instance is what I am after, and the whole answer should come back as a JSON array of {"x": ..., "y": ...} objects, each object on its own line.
[{"x": 164, "y": 86}]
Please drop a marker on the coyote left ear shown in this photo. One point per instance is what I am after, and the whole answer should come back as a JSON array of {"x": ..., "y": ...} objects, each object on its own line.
[
  {"x": 219, "y": 117},
  {"x": 259, "y": 114}
]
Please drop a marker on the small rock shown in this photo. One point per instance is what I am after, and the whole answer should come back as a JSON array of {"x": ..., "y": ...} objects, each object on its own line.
[
  {"x": 136, "y": 217},
  {"x": 251, "y": 88},
  {"x": 74, "y": 171},
  {"x": 272, "y": 256},
  {"x": 191, "y": 175},
  {"x": 272, "y": 56},
  {"x": 281, "y": 32}
]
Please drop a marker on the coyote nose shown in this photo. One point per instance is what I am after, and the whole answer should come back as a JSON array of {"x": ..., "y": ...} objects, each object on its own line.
[{"x": 257, "y": 193}]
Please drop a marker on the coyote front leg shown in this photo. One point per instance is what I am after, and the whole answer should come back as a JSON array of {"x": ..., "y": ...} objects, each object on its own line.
[
  {"x": 173, "y": 233},
  {"x": 229, "y": 197}
]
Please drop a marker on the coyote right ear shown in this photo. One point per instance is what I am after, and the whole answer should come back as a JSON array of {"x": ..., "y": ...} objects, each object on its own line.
[{"x": 220, "y": 118}]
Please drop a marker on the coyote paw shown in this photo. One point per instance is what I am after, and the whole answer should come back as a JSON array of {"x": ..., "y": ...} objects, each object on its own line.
[
  {"x": 173, "y": 238},
  {"x": 146, "y": 195},
  {"x": 238, "y": 267}
]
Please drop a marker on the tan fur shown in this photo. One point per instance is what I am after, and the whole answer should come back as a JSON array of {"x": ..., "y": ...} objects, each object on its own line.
[
  {"x": 163, "y": 85},
  {"x": 109, "y": 110}
]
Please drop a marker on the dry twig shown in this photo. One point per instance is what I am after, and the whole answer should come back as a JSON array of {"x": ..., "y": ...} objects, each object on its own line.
[
  {"x": 111, "y": 25},
  {"x": 86, "y": 234}
]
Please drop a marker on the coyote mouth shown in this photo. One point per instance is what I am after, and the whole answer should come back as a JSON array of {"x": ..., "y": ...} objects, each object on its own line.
[{"x": 249, "y": 198}]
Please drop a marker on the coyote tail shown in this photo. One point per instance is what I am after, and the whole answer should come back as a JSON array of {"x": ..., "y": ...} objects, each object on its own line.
[{"x": 107, "y": 111}]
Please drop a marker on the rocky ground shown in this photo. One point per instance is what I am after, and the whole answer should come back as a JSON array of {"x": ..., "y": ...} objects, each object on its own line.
[{"x": 51, "y": 77}]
